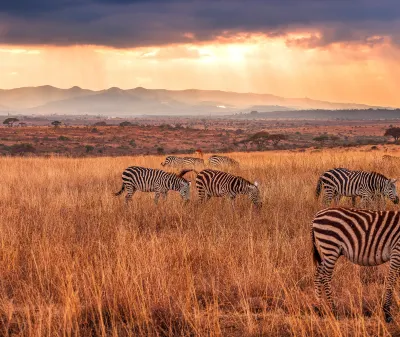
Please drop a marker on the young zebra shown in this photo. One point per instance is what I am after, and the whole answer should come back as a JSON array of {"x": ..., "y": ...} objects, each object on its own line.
[
  {"x": 367, "y": 185},
  {"x": 173, "y": 161},
  {"x": 366, "y": 238},
  {"x": 136, "y": 178},
  {"x": 222, "y": 161},
  {"x": 212, "y": 183}
]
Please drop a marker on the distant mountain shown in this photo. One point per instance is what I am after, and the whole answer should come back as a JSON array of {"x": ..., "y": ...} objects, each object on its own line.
[
  {"x": 140, "y": 101},
  {"x": 23, "y": 98}
]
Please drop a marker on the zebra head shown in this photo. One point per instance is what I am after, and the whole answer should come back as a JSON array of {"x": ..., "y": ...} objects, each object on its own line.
[
  {"x": 184, "y": 189},
  {"x": 389, "y": 190},
  {"x": 254, "y": 194}
]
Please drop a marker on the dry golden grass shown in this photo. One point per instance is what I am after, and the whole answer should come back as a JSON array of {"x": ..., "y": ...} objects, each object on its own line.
[{"x": 74, "y": 260}]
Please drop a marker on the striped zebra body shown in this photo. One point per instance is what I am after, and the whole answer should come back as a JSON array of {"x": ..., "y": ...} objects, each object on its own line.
[
  {"x": 136, "y": 178},
  {"x": 366, "y": 238},
  {"x": 222, "y": 161},
  {"x": 212, "y": 183},
  {"x": 367, "y": 185},
  {"x": 183, "y": 162},
  {"x": 389, "y": 158}
]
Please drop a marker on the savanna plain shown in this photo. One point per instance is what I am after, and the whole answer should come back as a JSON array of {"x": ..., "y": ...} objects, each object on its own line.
[{"x": 76, "y": 261}]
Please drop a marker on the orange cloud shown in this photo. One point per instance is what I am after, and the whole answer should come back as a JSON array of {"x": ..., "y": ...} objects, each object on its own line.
[{"x": 286, "y": 66}]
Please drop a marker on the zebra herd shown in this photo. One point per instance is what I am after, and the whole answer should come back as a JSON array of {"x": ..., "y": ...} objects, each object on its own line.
[
  {"x": 209, "y": 182},
  {"x": 365, "y": 237}
]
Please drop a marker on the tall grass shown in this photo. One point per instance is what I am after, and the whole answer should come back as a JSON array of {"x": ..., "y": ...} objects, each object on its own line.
[{"x": 74, "y": 260}]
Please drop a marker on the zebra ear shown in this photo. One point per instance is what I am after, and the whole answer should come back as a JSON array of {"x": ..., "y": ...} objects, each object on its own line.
[
  {"x": 190, "y": 183},
  {"x": 256, "y": 183},
  {"x": 394, "y": 181}
]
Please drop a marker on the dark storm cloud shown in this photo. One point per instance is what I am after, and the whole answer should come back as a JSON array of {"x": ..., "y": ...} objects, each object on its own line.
[{"x": 131, "y": 23}]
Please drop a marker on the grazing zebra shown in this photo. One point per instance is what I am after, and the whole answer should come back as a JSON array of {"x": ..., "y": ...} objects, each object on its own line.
[
  {"x": 389, "y": 158},
  {"x": 221, "y": 161},
  {"x": 367, "y": 185},
  {"x": 136, "y": 178},
  {"x": 366, "y": 238},
  {"x": 212, "y": 183},
  {"x": 173, "y": 161}
]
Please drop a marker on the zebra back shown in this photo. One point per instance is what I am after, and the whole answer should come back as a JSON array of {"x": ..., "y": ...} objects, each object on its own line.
[
  {"x": 173, "y": 161},
  {"x": 221, "y": 161}
]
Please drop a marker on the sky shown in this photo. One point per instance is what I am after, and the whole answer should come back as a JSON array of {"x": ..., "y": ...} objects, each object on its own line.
[{"x": 335, "y": 50}]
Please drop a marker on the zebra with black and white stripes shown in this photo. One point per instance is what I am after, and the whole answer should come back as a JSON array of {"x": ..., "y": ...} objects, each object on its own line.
[
  {"x": 367, "y": 185},
  {"x": 136, "y": 178},
  {"x": 183, "y": 162},
  {"x": 366, "y": 238},
  {"x": 222, "y": 161},
  {"x": 212, "y": 183}
]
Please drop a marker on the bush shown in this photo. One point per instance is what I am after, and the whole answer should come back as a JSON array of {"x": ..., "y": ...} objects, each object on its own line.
[
  {"x": 21, "y": 148},
  {"x": 89, "y": 148},
  {"x": 160, "y": 150},
  {"x": 63, "y": 138},
  {"x": 100, "y": 124},
  {"x": 126, "y": 123}
]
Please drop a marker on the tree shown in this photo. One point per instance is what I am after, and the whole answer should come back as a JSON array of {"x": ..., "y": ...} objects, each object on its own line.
[
  {"x": 56, "y": 124},
  {"x": 10, "y": 121},
  {"x": 321, "y": 139},
  {"x": 260, "y": 139},
  {"x": 126, "y": 123},
  {"x": 277, "y": 138},
  {"x": 393, "y": 132}
]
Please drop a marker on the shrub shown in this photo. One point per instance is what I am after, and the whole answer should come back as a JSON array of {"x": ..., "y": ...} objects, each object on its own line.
[
  {"x": 63, "y": 138},
  {"x": 21, "y": 148},
  {"x": 89, "y": 148}
]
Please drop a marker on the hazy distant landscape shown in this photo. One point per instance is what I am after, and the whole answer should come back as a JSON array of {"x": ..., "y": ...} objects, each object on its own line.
[{"x": 47, "y": 100}]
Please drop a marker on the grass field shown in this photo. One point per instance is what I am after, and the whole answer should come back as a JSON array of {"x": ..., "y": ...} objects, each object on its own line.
[{"x": 75, "y": 260}]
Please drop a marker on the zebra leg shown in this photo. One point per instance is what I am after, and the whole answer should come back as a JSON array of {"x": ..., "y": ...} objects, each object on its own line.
[
  {"x": 394, "y": 271},
  {"x": 131, "y": 191},
  {"x": 164, "y": 195},
  {"x": 336, "y": 199},
  {"x": 156, "y": 197},
  {"x": 232, "y": 199},
  {"x": 327, "y": 198}
]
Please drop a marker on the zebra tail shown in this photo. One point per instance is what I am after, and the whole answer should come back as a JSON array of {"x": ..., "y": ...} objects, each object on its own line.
[
  {"x": 316, "y": 256},
  {"x": 318, "y": 189},
  {"x": 120, "y": 191}
]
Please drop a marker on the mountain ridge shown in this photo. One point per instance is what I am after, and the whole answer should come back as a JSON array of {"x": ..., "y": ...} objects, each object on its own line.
[{"x": 48, "y": 99}]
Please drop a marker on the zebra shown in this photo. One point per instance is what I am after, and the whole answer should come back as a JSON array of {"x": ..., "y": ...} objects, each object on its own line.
[
  {"x": 366, "y": 238},
  {"x": 173, "y": 161},
  {"x": 390, "y": 158},
  {"x": 222, "y": 161},
  {"x": 212, "y": 183},
  {"x": 136, "y": 178},
  {"x": 367, "y": 185}
]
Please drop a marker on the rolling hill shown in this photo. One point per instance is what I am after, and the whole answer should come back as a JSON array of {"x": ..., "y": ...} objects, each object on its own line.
[{"x": 140, "y": 101}]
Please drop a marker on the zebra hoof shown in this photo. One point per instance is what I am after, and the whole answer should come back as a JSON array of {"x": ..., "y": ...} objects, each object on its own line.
[
  {"x": 317, "y": 310},
  {"x": 388, "y": 318}
]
